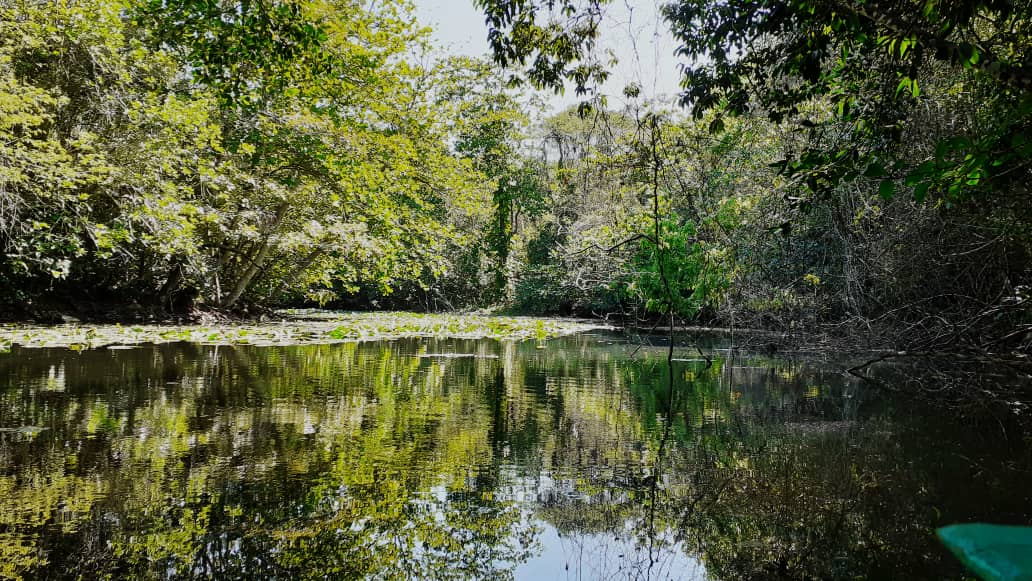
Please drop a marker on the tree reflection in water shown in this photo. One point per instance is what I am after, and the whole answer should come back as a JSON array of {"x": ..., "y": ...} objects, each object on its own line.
[{"x": 574, "y": 461}]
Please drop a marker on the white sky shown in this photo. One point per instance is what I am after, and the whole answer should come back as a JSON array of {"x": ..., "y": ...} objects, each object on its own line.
[{"x": 631, "y": 29}]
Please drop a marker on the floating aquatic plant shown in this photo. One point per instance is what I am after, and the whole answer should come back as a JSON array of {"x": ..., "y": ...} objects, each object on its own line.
[{"x": 295, "y": 328}]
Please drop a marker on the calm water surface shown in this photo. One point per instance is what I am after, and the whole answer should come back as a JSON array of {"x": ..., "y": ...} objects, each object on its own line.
[{"x": 403, "y": 459}]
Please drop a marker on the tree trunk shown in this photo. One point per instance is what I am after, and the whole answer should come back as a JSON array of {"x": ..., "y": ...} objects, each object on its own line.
[
  {"x": 258, "y": 261},
  {"x": 175, "y": 277},
  {"x": 298, "y": 271}
]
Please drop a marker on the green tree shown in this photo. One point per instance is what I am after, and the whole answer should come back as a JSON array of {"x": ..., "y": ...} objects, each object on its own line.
[
  {"x": 810, "y": 61},
  {"x": 868, "y": 102},
  {"x": 224, "y": 152}
]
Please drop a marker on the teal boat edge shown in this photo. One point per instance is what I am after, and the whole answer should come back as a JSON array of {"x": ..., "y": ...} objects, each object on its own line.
[{"x": 993, "y": 552}]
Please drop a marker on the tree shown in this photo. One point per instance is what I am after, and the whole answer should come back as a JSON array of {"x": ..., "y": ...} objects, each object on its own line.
[
  {"x": 870, "y": 99},
  {"x": 89, "y": 145},
  {"x": 489, "y": 131},
  {"x": 309, "y": 104},
  {"x": 860, "y": 64},
  {"x": 223, "y": 152}
]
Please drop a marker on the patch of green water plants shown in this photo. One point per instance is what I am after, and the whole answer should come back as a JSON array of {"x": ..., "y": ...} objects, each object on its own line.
[{"x": 296, "y": 327}]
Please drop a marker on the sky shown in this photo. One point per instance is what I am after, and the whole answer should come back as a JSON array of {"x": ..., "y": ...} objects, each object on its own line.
[{"x": 631, "y": 29}]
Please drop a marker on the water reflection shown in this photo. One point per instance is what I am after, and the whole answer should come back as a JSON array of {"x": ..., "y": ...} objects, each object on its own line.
[{"x": 573, "y": 461}]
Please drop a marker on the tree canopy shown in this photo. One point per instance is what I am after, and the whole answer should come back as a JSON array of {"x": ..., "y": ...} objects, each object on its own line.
[
  {"x": 823, "y": 160},
  {"x": 810, "y": 62},
  {"x": 896, "y": 127},
  {"x": 223, "y": 150}
]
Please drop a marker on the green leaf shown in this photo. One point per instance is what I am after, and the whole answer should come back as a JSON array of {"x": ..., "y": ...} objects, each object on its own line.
[
  {"x": 875, "y": 170},
  {"x": 968, "y": 54},
  {"x": 886, "y": 189},
  {"x": 904, "y": 83},
  {"x": 921, "y": 190}
]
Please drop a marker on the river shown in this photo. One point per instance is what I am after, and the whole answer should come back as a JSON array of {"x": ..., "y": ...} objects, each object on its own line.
[{"x": 571, "y": 458}]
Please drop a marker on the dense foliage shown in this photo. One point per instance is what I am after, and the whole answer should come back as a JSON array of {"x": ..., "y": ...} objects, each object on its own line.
[
  {"x": 859, "y": 163},
  {"x": 188, "y": 152},
  {"x": 886, "y": 159}
]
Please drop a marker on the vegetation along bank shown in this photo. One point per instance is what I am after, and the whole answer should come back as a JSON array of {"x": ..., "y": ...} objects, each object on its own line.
[{"x": 861, "y": 168}]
